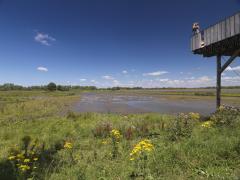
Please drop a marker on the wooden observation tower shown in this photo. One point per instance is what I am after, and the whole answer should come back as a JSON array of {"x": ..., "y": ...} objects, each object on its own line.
[{"x": 221, "y": 39}]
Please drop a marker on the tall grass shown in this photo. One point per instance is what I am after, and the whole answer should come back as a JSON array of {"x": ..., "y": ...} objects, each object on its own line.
[{"x": 84, "y": 146}]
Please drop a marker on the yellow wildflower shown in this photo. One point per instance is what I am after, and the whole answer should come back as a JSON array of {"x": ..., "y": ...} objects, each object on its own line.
[
  {"x": 11, "y": 157},
  {"x": 207, "y": 124},
  {"x": 35, "y": 159},
  {"x": 104, "y": 142},
  {"x": 24, "y": 167},
  {"x": 26, "y": 160},
  {"x": 141, "y": 147},
  {"x": 116, "y": 134},
  {"x": 20, "y": 156},
  {"x": 68, "y": 145}
]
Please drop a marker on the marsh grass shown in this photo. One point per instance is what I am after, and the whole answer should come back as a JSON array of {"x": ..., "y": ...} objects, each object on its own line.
[
  {"x": 82, "y": 146},
  {"x": 35, "y": 107}
]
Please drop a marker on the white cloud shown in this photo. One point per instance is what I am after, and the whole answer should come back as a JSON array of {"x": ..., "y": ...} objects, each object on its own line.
[
  {"x": 228, "y": 68},
  {"x": 116, "y": 82},
  {"x": 157, "y": 73},
  {"x": 94, "y": 81},
  {"x": 44, "y": 69},
  {"x": 44, "y": 39},
  {"x": 204, "y": 79},
  {"x": 199, "y": 82},
  {"x": 107, "y": 77},
  {"x": 237, "y": 68},
  {"x": 190, "y": 82},
  {"x": 163, "y": 80},
  {"x": 124, "y": 72},
  {"x": 230, "y": 78},
  {"x": 83, "y": 80}
]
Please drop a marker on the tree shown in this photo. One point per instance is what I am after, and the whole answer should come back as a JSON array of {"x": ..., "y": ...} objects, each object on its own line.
[
  {"x": 63, "y": 88},
  {"x": 52, "y": 86}
]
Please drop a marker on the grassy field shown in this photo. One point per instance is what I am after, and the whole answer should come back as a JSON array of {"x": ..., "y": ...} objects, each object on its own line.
[{"x": 41, "y": 139}]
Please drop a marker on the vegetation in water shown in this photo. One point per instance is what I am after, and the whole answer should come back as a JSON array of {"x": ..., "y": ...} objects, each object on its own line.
[{"x": 40, "y": 141}]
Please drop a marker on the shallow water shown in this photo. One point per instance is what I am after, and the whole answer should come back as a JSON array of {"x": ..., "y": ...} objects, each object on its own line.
[{"x": 110, "y": 103}]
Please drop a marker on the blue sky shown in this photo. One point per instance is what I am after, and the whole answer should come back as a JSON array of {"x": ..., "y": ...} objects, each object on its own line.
[{"x": 108, "y": 42}]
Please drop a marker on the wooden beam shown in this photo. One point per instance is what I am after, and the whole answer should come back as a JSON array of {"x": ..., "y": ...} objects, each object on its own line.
[
  {"x": 230, "y": 60},
  {"x": 218, "y": 85}
]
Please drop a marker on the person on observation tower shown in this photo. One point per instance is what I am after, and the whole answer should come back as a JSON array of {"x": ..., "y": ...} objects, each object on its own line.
[{"x": 195, "y": 28}]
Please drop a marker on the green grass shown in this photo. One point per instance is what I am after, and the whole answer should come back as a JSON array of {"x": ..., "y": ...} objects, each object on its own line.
[{"x": 195, "y": 152}]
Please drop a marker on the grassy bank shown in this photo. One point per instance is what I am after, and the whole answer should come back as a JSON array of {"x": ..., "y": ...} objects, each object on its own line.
[{"x": 38, "y": 141}]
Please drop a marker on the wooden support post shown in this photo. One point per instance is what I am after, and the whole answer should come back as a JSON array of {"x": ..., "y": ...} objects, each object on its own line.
[{"x": 218, "y": 87}]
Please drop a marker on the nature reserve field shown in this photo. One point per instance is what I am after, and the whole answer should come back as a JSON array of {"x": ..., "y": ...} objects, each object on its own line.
[{"x": 42, "y": 138}]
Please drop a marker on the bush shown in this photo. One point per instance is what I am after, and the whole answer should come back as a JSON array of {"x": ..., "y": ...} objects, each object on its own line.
[
  {"x": 182, "y": 125},
  {"x": 226, "y": 115},
  {"x": 52, "y": 86},
  {"x": 30, "y": 159},
  {"x": 63, "y": 88}
]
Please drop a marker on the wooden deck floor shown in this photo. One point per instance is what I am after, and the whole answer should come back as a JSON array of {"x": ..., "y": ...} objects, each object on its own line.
[{"x": 225, "y": 47}]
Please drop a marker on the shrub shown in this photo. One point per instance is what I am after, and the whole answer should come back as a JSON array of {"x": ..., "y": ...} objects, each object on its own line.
[
  {"x": 182, "y": 125},
  {"x": 226, "y": 115},
  {"x": 52, "y": 86},
  {"x": 63, "y": 88}
]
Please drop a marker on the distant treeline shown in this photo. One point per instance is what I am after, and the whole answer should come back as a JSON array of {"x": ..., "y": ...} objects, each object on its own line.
[
  {"x": 50, "y": 86},
  {"x": 53, "y": 86}
]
